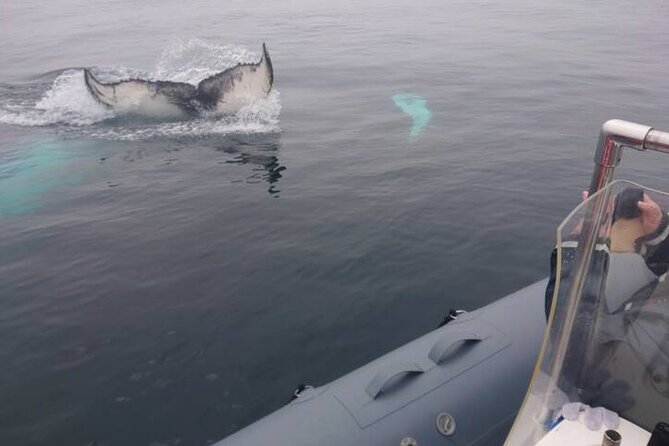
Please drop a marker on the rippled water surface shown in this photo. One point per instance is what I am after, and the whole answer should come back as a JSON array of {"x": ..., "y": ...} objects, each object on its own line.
[{"x": 167, "y": 283}]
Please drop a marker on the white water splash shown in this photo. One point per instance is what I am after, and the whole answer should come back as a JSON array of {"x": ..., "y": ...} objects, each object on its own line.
[
  {"x": 68, "y": 104},
  {"x": 194, "y": 60},
  {"x": 259, "y": 117}
]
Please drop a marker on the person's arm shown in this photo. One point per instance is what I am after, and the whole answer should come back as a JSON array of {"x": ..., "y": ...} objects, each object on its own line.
[
  {"x": 596, "y": 273},
  {"x": 568, "y": 254},
  {"x": 550, "y": 287}
]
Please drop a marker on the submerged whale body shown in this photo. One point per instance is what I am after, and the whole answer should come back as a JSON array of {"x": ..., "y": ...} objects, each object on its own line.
[{"x": 224, "y": 92}]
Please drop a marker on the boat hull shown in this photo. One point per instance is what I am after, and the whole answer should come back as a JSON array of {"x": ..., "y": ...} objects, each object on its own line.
[{"x": 476, "y": 369}]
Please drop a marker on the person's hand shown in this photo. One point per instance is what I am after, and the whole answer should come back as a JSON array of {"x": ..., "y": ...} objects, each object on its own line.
[{"x": 651, "y": 214}]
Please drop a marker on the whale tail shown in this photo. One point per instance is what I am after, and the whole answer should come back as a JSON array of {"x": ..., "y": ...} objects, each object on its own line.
[{"x": 224, "y": 92}]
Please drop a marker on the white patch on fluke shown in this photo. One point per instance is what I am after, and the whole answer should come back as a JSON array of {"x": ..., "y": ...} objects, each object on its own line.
[
  {"x": 134, "y": 96},
  {"x": 240, "y": 86}
]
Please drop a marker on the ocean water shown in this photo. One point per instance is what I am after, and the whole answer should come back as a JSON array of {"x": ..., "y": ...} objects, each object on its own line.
[{"x": 167, "y": 283}]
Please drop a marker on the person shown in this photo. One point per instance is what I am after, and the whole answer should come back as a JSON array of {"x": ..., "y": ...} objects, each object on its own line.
[
  {"x": 639, "y": 225},
  {"x": 614, "y": 312}
]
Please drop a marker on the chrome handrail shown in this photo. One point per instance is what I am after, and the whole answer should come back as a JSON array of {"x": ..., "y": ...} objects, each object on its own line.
[{"x": 617, "y": 134}]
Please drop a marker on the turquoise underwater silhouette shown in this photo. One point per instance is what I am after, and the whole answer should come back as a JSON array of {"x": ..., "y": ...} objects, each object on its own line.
[
  {"x": 416, "y": 107},
  {"x": 29, "y": 173}
]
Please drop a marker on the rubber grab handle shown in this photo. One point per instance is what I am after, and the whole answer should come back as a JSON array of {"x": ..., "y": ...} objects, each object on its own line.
[
  {"x": 443, "y": 345},
  {"x": 376, "y": 385}
]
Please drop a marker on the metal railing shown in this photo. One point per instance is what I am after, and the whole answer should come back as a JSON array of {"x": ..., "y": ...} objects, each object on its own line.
[{"x": 616, "y": 135}]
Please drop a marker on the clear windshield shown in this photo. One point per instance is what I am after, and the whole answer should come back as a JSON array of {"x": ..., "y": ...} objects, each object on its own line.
[{"x": 607, "y": 342}]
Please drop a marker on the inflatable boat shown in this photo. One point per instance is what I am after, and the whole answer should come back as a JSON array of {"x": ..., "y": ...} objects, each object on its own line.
[{"x": 469, "y": 381}]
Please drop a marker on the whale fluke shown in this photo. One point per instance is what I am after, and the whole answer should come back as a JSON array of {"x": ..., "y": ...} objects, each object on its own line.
[{"x": 224, "y": 92}]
